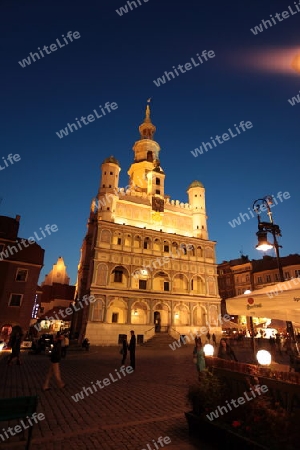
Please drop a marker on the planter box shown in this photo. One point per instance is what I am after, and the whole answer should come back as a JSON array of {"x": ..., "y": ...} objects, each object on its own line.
[{"x": 214, "y": 433}]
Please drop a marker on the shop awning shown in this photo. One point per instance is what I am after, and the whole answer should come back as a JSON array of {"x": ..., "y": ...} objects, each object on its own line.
[{"x": 279, "y": 301}]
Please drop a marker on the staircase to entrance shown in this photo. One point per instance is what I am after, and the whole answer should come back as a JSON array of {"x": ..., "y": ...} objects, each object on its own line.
[{"x": 159, "y": 340}]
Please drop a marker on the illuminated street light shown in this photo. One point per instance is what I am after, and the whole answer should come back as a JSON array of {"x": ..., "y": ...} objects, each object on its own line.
[
  {"x": 208, "y": 350},
  {"x": 267, "y": 227},
  {"x": 263, "y": 357},
  {"x": 263, "y": 243},
  {"x": 263, "y": 204}
]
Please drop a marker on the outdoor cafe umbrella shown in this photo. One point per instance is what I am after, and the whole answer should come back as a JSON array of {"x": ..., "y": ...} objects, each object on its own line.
[{"x": 279, "y": 301}]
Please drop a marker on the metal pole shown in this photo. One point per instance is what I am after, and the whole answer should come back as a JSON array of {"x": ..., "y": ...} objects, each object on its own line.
[
  {"x": 253, "y": 345},
  {"x": 289, "y": 324}
]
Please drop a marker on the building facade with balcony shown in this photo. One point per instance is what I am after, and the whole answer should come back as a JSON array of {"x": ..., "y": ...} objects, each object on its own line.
[
  {"x": 146, "y": 258},
  {"x": 20, "y": 264},
  {"x": 239, "y": 275}
]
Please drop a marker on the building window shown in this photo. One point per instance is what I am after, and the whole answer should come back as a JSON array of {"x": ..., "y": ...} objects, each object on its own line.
[
  {"x": 15, "y": 300},
  {"x": 142, "y": 284},
  {"x": 286, "y": 275},
  {"x": 118, "y": 276},
  {"x": 297, "y": 272},
  {"x": 166, "y": 286},
  {"x": 192, "y": 285},
  {"x": 115, "y": 317},
  {"x": 158, "y": 181},
  {"x": 109, "y": 185},
  {"x": 157, "y": 191},
  {"x": 146, "y": 243},
  {"x": 183, "y": 249},
  {"x": 268, "y": 279},
  {"x": 97, "y": 311},
  {"x": 195, "y": 195},
  {"x": 119, "y": 241},
  {"x": 276, "y": 277},
  {"x": 110, "y": 173},
  {"x": 166, "y": 248},
  {"x": 247, "y": 277},
  {"x": 21, "y": 275},
  {"x": 259, "y": 280},
  {"x": 103, "y": 185}
]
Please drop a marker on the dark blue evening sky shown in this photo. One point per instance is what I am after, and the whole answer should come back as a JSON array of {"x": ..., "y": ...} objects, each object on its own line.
[{"x": 116, "y": 59}]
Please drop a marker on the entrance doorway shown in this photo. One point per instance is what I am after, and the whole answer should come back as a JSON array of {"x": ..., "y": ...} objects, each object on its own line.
[{"x": 157, "y": 321}]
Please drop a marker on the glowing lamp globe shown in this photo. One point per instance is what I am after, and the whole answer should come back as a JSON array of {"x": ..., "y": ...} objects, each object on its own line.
[
  {"x": 263, "y": 357},
  {"x": 208, "y": 350}
]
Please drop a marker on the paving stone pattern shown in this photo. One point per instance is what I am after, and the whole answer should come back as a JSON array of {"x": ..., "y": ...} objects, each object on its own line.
[{"x": 127, "y": 414}]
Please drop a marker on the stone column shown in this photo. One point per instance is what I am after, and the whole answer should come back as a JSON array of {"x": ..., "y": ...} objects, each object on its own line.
[
  {"x": 191, "y": 314},
  {"x": 151, "y": 313},
  {"x": 105, "y": 303},
  {"x": 208, "y": 314},
  {"x": 129, "y": 303},
  {"x": 172, "y": 313}
]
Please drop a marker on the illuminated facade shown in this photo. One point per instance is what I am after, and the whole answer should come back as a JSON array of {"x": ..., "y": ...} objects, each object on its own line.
[
  {"x": 57, "y": 297},
  {"x": 146, "y": 258}
]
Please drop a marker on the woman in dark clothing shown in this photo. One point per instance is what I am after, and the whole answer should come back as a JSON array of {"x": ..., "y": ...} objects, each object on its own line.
[
  {"x": 131, "y": 348},
  {"x": 54, "y": 367},
  {"x": 124, "y": 350},
  {"x": 15, "y": 344},
  {"x": 225, "y": 351}
]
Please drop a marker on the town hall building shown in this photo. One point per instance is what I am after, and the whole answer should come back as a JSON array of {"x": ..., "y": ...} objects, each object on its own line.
[{"x": 146, "y": 260}]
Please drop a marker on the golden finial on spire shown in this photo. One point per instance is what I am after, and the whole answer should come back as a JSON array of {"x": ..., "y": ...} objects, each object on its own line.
[{"x": 147, "y": 118}]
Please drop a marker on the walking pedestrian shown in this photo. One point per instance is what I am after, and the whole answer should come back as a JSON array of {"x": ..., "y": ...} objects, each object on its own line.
[
  {"x": 15, "y": 344},
  {"x": 131, "y": 348},
  {"x": 198, "y": 353},
  {"x": 86, "y": 344},
  {"x": 54, "y": 368},
  {"x": 225, "y": 351},
  {"x": 214, "y": 340},
  {"x": 64, "y": 345},
  {"x": 208, "y": 337},
  {"x": 197, "y": 339},
  {"x": 124, "y": 349}
]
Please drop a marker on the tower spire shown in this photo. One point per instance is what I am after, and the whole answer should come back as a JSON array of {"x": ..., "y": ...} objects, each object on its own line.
[{"x": 147, "y": 129}]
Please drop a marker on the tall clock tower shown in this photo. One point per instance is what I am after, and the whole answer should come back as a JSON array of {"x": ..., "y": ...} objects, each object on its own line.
[
  {"x": 146, "y": 257},
  {"x": 146, "y": 159}
]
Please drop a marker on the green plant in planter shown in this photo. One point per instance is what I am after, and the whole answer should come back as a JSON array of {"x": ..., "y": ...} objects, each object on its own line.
[{"x": 207, "y": 394}]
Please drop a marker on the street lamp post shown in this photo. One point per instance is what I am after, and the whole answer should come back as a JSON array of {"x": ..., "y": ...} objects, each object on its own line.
[{"x": 264, "y": 228}]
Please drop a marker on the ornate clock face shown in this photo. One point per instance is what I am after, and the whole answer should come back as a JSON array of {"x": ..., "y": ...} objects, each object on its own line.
[{"x": 157, "y": 204}]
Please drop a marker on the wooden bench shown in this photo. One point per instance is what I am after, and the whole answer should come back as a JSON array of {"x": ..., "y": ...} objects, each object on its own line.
[{"x": 18, "y": 408}]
